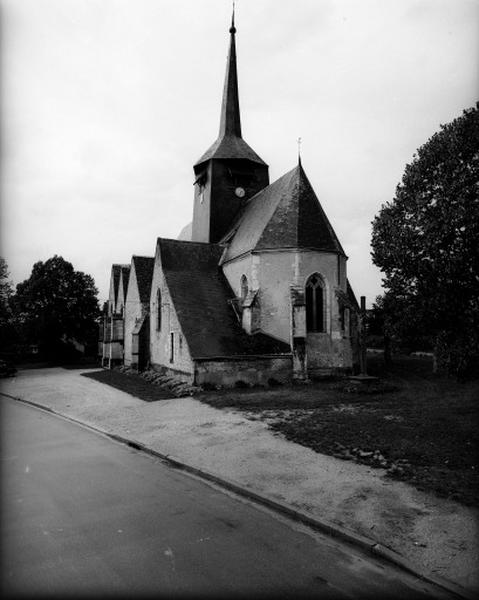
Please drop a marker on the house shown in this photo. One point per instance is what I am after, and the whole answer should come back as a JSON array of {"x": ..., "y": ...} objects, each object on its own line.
[
  {"x": 260, "y": 294},
  {"x": 137, "y": 313},
  {"x": 112, "y": 325}
]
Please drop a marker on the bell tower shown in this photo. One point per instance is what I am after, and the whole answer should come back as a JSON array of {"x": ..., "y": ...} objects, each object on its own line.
[{"x": 229, "y": 172}]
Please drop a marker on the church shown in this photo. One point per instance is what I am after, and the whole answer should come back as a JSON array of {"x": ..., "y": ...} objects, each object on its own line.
[{"x": 258, "y": 294}]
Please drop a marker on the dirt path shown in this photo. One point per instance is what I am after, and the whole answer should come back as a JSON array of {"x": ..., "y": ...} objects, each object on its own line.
[{"x": 436, "y": 534}]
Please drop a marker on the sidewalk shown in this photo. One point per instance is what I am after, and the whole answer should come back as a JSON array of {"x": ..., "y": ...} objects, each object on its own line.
[{"x": 438, "y": 536}]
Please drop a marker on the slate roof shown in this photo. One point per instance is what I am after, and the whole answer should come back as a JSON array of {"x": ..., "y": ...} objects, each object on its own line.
[
  {"x": 125, "y": 270},
  {"x": 230, "y": 144},
  {"x": 200, "y": 294},
  {"x": 230, "y": 122},
  {"x": 351, "y": 295},
  {"x": 285, "y": 214},
  {"x": 116, "y": 269},
  {"x": 144, "y": 275}
]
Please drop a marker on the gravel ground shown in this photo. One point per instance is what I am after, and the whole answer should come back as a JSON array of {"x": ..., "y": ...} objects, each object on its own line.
[{"x": 436, "y": 534}]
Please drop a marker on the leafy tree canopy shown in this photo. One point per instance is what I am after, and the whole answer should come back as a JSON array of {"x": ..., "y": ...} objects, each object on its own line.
[
  {"x": 56, "y": 302},
  {"x": 6, "y": 289},
  {"x": 426, "y": 240},
  {"x": 6, "y": 292}
]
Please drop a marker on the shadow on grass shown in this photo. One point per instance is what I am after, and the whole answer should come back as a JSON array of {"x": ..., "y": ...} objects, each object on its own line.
[
  {"x": 131, "y": 384},
  {"x": 425, "y": 423}
]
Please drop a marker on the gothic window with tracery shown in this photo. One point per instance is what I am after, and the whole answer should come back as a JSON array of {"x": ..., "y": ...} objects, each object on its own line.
[{"x": 315, "y": 304}]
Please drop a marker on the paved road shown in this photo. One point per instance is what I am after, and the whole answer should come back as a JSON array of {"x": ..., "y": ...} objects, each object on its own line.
[{"x": 83, "y": 514}]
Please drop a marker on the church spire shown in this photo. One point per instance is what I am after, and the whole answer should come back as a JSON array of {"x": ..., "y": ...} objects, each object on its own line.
[
  {"x": 229, "y": 172},
  {"x": 230, "y": 123},
  {"x": 230, "y": 143}
]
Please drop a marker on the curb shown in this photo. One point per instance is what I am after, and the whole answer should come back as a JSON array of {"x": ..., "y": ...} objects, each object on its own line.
[{"x": 366, "y": 544}]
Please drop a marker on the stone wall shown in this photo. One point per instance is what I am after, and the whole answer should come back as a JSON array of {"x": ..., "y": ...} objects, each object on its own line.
[
  {"x": 235, "y": 269},
  {"x": 274, "y": 272},
  {"x": 323, "y": 353},
  {"x": 169, "y": 336},
  {"x": 133, "y": 311},
  {"x": 216, "y": 205},
  {"x": 237, "y": 371},
  {"x": 175, "y": 373}
]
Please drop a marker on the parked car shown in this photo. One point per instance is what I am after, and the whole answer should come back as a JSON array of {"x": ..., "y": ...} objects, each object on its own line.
[{"x": 7, "y": 369}]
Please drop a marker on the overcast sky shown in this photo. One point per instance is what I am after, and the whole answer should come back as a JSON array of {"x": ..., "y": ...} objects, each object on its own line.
[{"x": 107, "y": 104}]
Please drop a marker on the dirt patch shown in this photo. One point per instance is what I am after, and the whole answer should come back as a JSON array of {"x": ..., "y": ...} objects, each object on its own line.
[{"x": 420, "y": 428}]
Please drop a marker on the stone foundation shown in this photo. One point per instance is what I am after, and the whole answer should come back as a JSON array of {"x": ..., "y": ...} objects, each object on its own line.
[
  {"x": 254, "y": 370},
  {"x": 177, "y": 374},
  {"x": 322, "y": 352}
]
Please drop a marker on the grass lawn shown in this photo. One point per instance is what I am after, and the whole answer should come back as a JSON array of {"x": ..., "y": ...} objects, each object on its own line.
[
  {"x": 132, "y": 384},
  {"x": 422, "y": 428}
]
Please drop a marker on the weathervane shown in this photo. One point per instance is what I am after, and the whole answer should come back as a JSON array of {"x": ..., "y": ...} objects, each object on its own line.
[{"x": 299, "y": 150}]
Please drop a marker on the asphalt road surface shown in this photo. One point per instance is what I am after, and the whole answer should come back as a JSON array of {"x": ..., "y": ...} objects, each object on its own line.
[{"x": 82, "y": 514}]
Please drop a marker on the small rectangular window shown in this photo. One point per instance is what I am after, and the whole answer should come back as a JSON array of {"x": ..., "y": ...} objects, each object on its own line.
[
  {"x": 158, "y": 309},
  {"x": 172, "y": 347}
]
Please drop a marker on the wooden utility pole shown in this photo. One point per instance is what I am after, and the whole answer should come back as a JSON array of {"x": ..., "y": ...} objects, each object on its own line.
[{"x": 362, "y": 338}]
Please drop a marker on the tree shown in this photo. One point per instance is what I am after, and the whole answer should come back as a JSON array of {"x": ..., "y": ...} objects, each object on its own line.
[
  {"x": 7, "y": 329},
  {"x": 6, "y": 290},
  {"x": 426, "y": 243},
  {"x": 56, "y": 304}
]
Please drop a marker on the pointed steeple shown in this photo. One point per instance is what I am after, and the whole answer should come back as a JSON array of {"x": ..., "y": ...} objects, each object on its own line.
[
  {"x": 229, "y": 143},
  {"x": 230, "y": 122},
  {"x": 229, "y": 172}
]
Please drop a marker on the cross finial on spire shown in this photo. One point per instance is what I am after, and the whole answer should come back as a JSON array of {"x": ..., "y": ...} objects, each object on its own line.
[
  {"x": 299, "y": 150},
  {"x": 233, "y": 28}
]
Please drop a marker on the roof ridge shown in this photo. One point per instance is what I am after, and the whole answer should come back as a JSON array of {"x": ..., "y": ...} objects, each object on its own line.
[
  {"x": 304, "y": 178},
  {"x": 230, "y": 147},
  {"x": 186, "y": 241},
  {"x": 270, "y": 185},
  {"x": 297, "y": 190},
  {"x": 200, "y": 293},
  {"x": 286, "y": 213}
]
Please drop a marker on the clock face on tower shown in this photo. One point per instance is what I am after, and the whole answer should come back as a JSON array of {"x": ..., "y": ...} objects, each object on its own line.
[{"x": 239, "y": 191}]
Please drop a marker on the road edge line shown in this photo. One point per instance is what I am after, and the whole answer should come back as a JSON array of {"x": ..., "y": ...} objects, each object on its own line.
[{"x": 375, "y": 548}]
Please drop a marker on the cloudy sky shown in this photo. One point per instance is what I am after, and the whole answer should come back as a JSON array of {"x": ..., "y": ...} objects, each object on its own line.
[{"x": 107, "y": 104}]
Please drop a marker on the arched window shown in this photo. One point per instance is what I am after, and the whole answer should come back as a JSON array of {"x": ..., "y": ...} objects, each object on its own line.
[
  {"x": 315, "y": 303},
  {"x": 158, "y": 309},
  {"x": 244, "y": 288}
]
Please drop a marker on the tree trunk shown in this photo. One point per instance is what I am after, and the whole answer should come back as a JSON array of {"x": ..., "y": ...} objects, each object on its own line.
[
  {"x": 388, "y": 359},
  {"x": 435, "y": 356}
]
